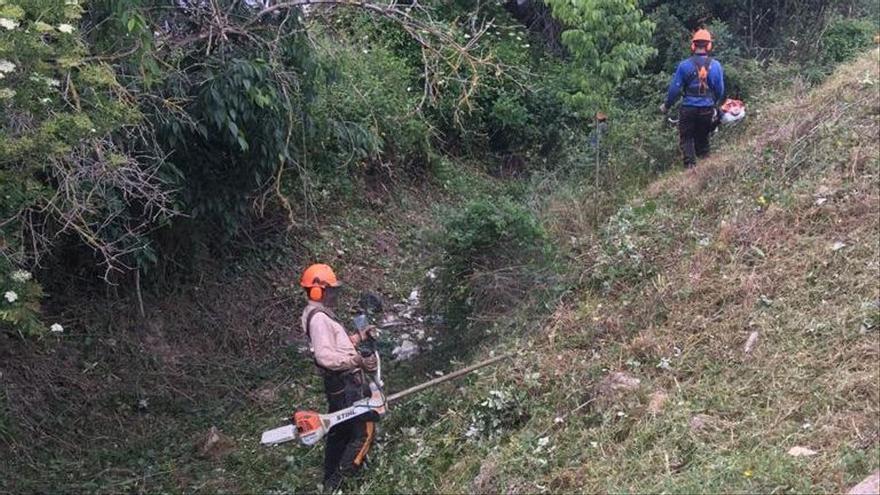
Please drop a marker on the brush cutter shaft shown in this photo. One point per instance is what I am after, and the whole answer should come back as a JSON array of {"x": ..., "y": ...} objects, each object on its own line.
[
  {"x": 310, "y": 426},
  {"x": 446, "y": 378}
]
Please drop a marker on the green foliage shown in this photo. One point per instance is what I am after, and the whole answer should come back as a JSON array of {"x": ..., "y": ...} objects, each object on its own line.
[
  {"x": 625, "y": 255},
  {"x": 20, "y": 298},
  {"x": 610, "y": 39},
  {"x": 243, "y": 111},
  {"x": 365, "y": 113},
  {"x": 670, "y": 39},
  {"x": 501, "y": 411},
  {"x": 487, "y": 237},
  {"x": 67, "y": 161},
  {"x": 846, "y": 37}
]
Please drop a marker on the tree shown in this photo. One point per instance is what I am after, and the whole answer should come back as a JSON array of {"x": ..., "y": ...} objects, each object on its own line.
[
  {"x": 610, "y": 38},
  {"x": 118, "y": 119}
]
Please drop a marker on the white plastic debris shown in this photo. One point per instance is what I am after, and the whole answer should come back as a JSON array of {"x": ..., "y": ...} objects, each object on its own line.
[
  {"x": 405, "y": 351},
  {"x": 801, "y": 452}
]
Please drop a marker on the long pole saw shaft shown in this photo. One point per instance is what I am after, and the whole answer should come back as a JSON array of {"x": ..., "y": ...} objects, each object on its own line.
[{"x": 446, "y": 378}]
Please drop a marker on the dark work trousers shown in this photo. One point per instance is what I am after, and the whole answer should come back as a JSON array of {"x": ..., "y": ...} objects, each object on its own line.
[
  {"x": 347, "y": 442},
  {"x": 694, "y": 126}
]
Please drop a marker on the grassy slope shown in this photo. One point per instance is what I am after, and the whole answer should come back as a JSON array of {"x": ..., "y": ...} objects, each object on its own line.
[{"x": 745, "y": 243}]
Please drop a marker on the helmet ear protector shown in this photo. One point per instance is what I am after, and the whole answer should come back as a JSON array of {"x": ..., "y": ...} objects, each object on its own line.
[{"x": 316, "y": 293}]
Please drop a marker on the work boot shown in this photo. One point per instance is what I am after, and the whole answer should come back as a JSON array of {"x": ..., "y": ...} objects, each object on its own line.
[{"x": 332, "y": 483}]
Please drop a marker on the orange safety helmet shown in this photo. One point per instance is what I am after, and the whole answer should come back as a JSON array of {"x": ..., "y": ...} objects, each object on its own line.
[
  {"x": 702, "y": 35},
  {"x": 316, "y": 278}
]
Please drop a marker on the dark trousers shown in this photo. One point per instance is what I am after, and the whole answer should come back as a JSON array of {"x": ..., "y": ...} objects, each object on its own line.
[
  {"x": 694, "y": 126},
  {"x": 348, "y": 442}
]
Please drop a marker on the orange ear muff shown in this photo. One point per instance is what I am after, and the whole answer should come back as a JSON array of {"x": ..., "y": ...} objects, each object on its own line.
[{"x": 316, "y": 293}]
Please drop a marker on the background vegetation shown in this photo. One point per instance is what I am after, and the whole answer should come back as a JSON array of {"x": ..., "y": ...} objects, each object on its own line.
[{"x": 167, "y": 167}]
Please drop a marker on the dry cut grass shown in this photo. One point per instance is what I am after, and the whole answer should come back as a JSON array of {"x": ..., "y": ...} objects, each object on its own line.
[{"x": 757, "y": 330}]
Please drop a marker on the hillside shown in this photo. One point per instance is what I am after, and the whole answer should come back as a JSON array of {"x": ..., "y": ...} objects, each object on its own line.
[{"x": 735, "y": 317}]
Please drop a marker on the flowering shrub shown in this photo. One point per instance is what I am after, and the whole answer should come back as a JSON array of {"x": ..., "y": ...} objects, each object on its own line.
[
  {"x": 71, "y": 163},
  {"x": 20, "y": 305}
]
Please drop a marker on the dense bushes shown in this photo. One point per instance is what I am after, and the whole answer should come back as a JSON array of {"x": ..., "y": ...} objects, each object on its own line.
[
  {"x": 845, "y": 38},
  {"x": 492, "y": 250},
  {"x": 76, "y": 159},
  {"x": 142, "y": 135}
]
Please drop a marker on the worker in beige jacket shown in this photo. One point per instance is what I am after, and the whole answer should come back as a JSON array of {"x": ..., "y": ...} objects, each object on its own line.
[{"x": 342, "y": 368}]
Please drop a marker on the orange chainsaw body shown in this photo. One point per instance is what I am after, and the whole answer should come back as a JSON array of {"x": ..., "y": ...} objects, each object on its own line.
[{"x": 306, "y": 422}]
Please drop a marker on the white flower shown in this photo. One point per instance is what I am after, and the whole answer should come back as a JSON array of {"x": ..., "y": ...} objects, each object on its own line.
[
  {"x": 10, "y": 296},
  {"x": 6, "y": 93},
  {"x": 542, "y": 442},
  {"x": 65, "y": 28},
  {"x": 21, "y": 276},
  {"x": 6, "y": 66},
  {"x": 558, "y": 419},
  {"x": 53, "y": 82},
  {"x": 8, "y": 23},
  {"x": 56, "y": 328}
]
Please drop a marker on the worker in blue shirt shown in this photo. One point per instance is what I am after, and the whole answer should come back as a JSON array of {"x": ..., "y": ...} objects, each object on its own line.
[{"x": 701, "y": 79}]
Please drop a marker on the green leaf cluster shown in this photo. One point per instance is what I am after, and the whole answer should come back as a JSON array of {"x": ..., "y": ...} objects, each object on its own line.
[{"x": 610, "y": 39}]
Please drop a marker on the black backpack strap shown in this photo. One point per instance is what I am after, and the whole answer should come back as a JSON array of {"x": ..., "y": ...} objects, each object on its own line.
[
  {"x": 314, "y": 312},
  {"x": 695, "y": 60},
  {"x": 309, "y": 317}
]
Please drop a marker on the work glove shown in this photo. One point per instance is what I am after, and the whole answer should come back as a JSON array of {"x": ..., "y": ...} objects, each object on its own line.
[
  {"x": 369, "y": 363},
  {"x": 663, "y": 108},
  {"x": 363, "y": 334}
]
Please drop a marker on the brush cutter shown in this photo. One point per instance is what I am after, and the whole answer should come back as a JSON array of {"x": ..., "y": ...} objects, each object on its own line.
[
  {"x": 732, "y": 111},
  {"x": 310, "y": 426}
]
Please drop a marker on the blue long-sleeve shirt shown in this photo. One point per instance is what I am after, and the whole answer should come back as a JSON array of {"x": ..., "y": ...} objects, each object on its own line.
[{"x": 686, "y": 76}]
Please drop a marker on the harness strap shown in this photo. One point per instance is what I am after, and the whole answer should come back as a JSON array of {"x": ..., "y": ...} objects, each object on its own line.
[
  {"x": 699, "y": 90},
  {"x": 314, "y": 312}
]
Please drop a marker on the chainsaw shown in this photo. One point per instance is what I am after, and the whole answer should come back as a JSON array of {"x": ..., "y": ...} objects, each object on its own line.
[{"x": 310, "y": 426}]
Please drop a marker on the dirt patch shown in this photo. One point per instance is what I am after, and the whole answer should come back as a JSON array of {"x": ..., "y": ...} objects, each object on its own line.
[
  {"x": 657, "y": 401},
  {"x": 486, "y": 480},
  {"x": 214, "y": 444}
]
